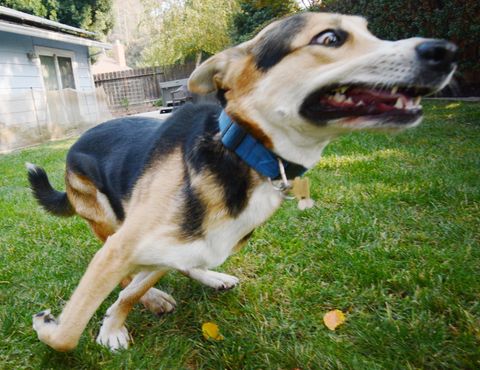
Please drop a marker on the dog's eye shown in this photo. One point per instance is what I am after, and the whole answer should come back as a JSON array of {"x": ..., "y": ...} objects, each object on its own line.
[{"x": 330, "y": 38}]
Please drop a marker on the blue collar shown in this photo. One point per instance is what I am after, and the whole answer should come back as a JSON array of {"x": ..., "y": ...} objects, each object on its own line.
[{"x": 251, "y": 151}]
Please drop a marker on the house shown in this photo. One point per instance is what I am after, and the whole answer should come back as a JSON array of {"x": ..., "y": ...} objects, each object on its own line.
[
  {"x": 107, "y": 64},
  {"x": 46, "y": 84}
]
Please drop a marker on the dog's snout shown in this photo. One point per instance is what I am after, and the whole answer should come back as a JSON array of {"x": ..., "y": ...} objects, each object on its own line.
[{"x": 439, "y": 55}]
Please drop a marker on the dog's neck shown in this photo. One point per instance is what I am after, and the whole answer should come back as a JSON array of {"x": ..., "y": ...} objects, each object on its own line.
[{"x": 254, "y": 153}]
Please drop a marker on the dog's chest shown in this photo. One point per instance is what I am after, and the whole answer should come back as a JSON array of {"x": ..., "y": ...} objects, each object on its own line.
[
  {"x": 221, "y": 240},
  {"x": 217, "y": 243}
]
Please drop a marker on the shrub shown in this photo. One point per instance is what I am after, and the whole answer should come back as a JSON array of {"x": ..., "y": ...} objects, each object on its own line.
[{"x": 455, "y": 20}]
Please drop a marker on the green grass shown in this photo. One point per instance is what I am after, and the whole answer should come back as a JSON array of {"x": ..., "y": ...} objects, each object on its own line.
[{"x": 393, "y": 242}]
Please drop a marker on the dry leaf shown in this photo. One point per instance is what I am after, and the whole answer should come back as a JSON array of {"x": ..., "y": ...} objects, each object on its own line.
[
  {"x": 333, "y": 318},
  {"x": 210, "y": 331}
]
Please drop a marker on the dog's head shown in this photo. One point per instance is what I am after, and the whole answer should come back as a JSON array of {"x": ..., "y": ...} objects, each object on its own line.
[{"x": 308, "y": 78}]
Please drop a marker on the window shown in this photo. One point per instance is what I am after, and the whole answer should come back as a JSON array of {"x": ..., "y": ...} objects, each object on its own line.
[{"x": 57, "y": 68}]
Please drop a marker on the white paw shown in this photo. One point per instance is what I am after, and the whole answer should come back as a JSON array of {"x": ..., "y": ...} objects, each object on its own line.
[
  {"x": 113, "y": 339},
  {"x": 44, "y": 324},
  {"x": 158, "y": 302},
  {"x": 43, "y": 318},
  {"x": 220, "y": 281}
]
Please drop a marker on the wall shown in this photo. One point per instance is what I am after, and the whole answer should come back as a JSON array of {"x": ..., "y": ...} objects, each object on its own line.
[{"x": 27, "y": 111}]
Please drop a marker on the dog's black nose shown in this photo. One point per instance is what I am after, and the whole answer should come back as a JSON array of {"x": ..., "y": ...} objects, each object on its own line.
[{"x": 439, "y": 55}]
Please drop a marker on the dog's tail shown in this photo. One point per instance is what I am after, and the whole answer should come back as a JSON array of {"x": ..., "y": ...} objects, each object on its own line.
[{"x": 51, "y": 200}]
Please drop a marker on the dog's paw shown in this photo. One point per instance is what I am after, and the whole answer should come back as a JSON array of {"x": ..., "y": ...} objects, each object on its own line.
[
  {"x": 113, "y": 338},
  {"x": 45, "y": 324},
  {"x": 43, "y": 318},
  {"x": 220, "y": 281},
  {"x": 158, "y": 302}
]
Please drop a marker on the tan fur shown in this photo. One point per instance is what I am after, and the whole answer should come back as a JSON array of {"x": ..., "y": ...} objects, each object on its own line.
[
  {"x": 83, "y": 195},
  {"x": 212, "y": 196},
  {"x": 107, "y": 268},
  {"x": 266, "y": 103},
  {"x": 154, "y": 196}
]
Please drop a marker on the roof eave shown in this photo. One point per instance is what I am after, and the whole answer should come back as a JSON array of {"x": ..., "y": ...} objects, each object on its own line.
[
  {"x": 51, "y": 35},
  {"x": 21, "y": 16}
]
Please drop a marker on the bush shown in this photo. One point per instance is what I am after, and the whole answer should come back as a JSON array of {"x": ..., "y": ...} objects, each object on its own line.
[
  {"x": 455, "y": 20},
  {"x": 255, "y": 14}
]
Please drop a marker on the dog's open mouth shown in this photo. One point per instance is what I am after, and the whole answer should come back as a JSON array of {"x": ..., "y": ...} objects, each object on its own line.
[{"x": 393, "y": 105}]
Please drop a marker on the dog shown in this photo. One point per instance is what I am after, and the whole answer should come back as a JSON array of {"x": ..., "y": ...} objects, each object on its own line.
[{"x": 186, "y": 193}]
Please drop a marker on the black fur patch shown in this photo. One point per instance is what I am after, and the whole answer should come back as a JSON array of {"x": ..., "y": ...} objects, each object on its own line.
[
  {"x": 275, "y": 43},
  {"x": 231, "y": 173},
  {"x": 193, "y": 212},
  {"x": 115, "y": 154},
  {"x": 51, "y": 200}
]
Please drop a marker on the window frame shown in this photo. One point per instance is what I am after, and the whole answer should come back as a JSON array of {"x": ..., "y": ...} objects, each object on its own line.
[{"x": 55, "y": 53}]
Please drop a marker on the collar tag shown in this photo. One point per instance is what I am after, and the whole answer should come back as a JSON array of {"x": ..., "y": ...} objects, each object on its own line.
[{"x": 301, "y": 191}]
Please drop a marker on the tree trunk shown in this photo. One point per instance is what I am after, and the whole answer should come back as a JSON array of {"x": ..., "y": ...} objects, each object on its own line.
[{"x": 198, "y": 59}]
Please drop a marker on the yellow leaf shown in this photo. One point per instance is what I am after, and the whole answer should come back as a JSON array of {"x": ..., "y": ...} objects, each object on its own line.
[
  {"x": 210, "y": 331},
  {"x": 333, "y": 318}
]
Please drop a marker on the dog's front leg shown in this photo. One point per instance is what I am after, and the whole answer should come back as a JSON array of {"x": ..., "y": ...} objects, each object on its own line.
[
  {"x": 113, "y": 333},
  {"x": 108, "y": 267},
  {"x": 213, "y": 279}
]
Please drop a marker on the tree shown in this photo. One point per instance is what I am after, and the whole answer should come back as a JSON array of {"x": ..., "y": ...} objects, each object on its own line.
[
  {"x": 187, "y": 29},
  {"x": 92, "y": 15},
  {"x": 255, "y": 14},
  {"x": 455, "y": 20}
]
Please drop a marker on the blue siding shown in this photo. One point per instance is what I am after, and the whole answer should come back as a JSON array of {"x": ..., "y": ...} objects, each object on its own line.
[
  {"x": 18, "y": 72},
  {"x": 21, "y": 84}
]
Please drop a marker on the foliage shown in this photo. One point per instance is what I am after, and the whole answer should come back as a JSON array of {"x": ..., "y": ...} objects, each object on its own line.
[
  {"x": 158, "y": 103},
  {"x": 92, "y": 15},
  {"x": 184, "y": 30},
  {"x": 456, "y": 20},
  {"x": 255, "y": 14},
  {"x": 312, "y": 5}
]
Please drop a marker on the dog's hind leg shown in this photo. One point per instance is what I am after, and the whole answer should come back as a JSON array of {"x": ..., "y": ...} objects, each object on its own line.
[
  {"x": 107, "y": 268},
  {"x": 155, "y": 300},
  {"x": 94, "y": 207},
  {"x": 113, "y": 333}
]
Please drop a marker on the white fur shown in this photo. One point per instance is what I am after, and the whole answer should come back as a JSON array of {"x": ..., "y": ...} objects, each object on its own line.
[
  {"x": 113, "y": 333},
  {"x": 213, "y": 279},
  {"x": 111, "y": 337},
  {"x": 31, "y": 167},
  {"x": 158, "y": 301},
  {"x": 156, "y": 250}
]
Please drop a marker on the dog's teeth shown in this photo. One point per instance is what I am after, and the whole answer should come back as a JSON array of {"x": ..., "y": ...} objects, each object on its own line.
[
  {"x": 349, "y": 101},
  {"x": 339, "y": 97},
  {"x": 399, "y": 103},
  {"x": 360, "y": 103},
  {"x": 394, "y": 89},
  {"x": 417, "y": 100}
]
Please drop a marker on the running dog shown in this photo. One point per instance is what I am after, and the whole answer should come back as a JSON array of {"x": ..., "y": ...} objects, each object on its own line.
[{"x": 186, "y": 193}]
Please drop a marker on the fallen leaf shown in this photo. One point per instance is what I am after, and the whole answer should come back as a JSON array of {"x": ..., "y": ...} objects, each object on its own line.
[
  {"x": 333, "y": 318},
  {"x": 210, "y": 331}
]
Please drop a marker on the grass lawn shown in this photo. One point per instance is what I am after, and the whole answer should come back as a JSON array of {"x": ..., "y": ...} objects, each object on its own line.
[{"x": 393, "y": 242}]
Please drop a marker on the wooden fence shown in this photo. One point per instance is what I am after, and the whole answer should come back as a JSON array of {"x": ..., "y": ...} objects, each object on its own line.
[{"x": 138, "y": 86}]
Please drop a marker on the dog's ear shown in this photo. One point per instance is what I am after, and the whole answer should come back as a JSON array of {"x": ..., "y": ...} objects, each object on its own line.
[{"x": 211, "y": 75}]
